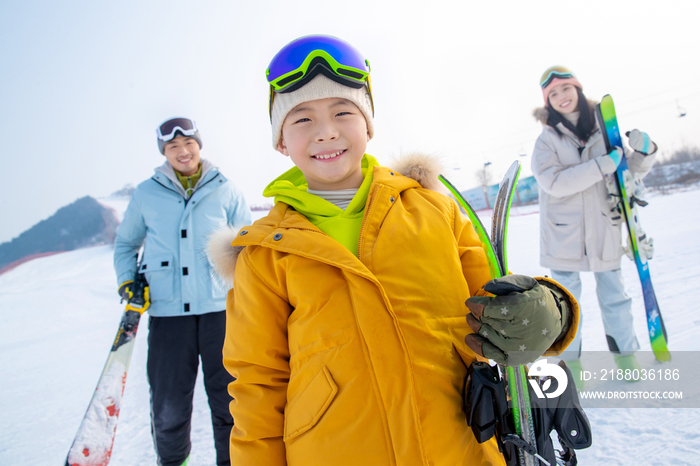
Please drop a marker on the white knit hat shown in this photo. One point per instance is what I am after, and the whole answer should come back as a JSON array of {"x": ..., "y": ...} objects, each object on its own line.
[{"x": 318, "y": 88}]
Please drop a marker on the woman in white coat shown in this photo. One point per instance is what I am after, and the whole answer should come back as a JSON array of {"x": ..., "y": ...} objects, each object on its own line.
[{"x": 580, "y": 226}]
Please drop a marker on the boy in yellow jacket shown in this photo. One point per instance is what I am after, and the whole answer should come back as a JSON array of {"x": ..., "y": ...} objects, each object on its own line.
[{"x": 346, "y": 326}]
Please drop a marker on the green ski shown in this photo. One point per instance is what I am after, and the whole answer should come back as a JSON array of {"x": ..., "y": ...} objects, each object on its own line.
[{"x": 495, "y": 249}]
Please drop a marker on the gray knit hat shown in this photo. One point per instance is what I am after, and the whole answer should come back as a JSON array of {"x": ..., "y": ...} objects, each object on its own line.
[
  {"x": 318, "y": 88},
  {"x": 182, "y": 127}
]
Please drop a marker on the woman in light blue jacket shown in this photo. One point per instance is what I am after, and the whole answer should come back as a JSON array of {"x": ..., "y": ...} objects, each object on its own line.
[{"x": 174, "y": 213}]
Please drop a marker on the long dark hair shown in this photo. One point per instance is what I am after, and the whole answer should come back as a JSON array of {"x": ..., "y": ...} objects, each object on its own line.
[{"x": 586, "y": 122}]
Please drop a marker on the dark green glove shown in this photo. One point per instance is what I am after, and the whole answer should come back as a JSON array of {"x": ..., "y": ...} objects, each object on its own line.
[{"x": 521, "y": 322}]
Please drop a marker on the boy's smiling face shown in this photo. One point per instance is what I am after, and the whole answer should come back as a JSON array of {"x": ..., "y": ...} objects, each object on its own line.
[{"x": 326, "y": 139}]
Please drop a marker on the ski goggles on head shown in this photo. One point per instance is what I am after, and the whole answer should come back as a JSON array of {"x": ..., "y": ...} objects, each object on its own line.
[
  {"x": 166, "y": 131},
  {"x": 303, "y": 59},
  {"x": 555, "y": 72}
]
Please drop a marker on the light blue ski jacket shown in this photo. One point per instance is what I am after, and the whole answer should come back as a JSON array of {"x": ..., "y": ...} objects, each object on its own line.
[{"x": 176, "y": 230}]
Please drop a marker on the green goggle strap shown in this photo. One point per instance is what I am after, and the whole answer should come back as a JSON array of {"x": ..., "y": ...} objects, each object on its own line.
[{"x": 333, "y": 63}]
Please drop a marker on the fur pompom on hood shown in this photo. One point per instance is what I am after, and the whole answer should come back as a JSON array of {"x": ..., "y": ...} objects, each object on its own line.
[
  {"x": 423, "y": 168},
  {"x": 541, "y": 114},
  {"x": 222, "y": 255}
]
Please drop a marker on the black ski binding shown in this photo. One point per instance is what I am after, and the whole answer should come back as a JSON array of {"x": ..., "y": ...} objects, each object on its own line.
[{"x": 486, "y": 408}]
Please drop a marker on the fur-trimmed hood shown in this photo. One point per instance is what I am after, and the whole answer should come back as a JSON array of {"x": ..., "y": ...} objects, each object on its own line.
[
  {"x": 422, "y": 168},
  {"x": 541, "y": 114}
]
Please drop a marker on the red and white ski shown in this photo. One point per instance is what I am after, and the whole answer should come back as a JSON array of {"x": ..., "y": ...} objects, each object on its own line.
[{"x": 93, "y": 443}]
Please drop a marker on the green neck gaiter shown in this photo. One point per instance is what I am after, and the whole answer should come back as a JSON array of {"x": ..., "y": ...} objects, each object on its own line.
[
  {"x": 341, "y": 225},
  {"x": 189, "y": 182}
]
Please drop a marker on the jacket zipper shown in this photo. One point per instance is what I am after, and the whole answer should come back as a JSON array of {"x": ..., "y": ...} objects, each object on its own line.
[
  {"x": 187, "y": 191},
  {"x": 364, "y": 221},
  {"x": 580, "y": 147}
]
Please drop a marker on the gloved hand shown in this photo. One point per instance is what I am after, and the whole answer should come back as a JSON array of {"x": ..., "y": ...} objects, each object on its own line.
[
  {"x": 126, "y": 290},
  {"x": 616, "y": 155},
  {"x": 645, "y": 244},
  {"x": 521, "y": 322},
  {"x": 641, "y": 142},
  {"x": 608, "y": 163},
  {"x": 140, "y": 304},
  {"x": 134, "y": 303}
]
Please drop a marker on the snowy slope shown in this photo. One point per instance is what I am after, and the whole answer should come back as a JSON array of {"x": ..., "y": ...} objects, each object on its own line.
[{"x": 60, "y": 314}]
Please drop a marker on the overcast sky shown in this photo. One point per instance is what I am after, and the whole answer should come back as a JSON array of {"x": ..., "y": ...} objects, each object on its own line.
[{"x": 85, "y": 83}]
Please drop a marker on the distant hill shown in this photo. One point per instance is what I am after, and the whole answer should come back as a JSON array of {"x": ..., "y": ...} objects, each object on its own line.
[
  {"x": 679, "y": 174},
  {"x": 83, "y": 223},
  {"x": 126, "y": 192}
]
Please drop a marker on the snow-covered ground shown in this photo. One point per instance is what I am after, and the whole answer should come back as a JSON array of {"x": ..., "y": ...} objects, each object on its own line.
[{"x": 60, "y": 313}]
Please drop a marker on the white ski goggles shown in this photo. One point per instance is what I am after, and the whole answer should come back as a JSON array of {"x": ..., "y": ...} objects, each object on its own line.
[{"x": 166, "y": 131}]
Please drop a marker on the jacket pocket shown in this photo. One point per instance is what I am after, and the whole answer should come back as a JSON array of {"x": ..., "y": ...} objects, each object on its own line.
[
  {"x": 217, "y": 285},
  {"x": 304, "y": 411},
  {"x": 612, "y": 242},
  {"x": 564, "y": 236},
  {"x": 158, "y": 270}
]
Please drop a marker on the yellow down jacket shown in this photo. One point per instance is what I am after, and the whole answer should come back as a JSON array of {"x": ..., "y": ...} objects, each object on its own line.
[{"x": 345, "y": 360}]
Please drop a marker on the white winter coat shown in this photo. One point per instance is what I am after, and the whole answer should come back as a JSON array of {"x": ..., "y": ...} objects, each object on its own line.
[{"x": 578, "y": 229}]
